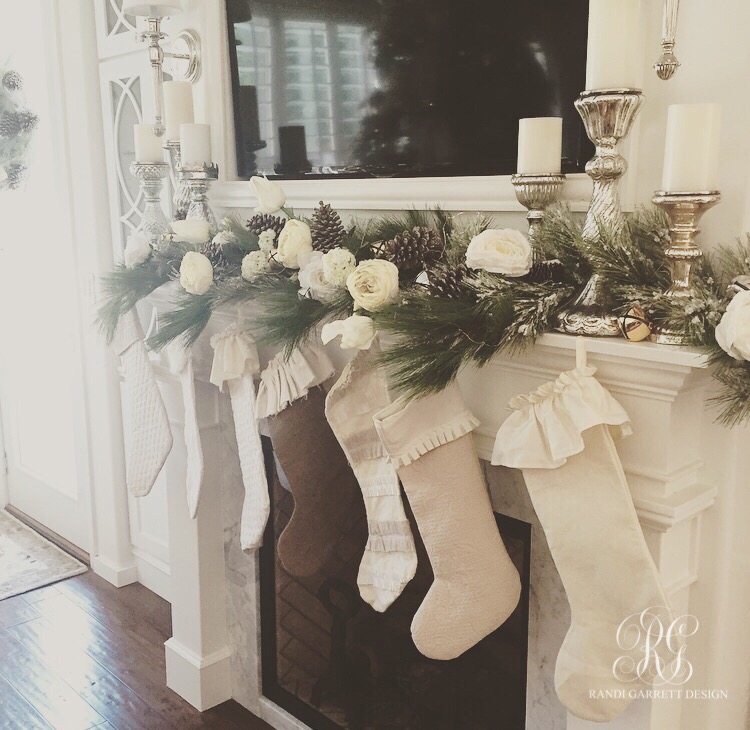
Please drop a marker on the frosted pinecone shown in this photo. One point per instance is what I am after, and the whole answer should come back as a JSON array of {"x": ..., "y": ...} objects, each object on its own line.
[
  {"x": 16, "y": 174},
  {"x": 446, "y": 283},
  {"x": 13, "y": 81},
  {"x": 412, "y": 251}
]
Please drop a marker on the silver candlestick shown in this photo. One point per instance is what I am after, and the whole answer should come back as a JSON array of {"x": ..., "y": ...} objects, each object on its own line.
[
  {"x": 685, "y": 211},
  {"x": 536, "y": 193},
  {"x": 198, "y": 179},
  {"x": 608, "y": 116},
  {"x": 151, "y": 176},
  {"x": 181, "y": 197},
  {"x": 668, "y": 64}
]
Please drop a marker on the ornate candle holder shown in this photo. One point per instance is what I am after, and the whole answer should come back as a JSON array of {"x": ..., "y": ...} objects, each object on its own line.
[
  {"x": 536, "y": 193},
  {"x": 685, "y": 211},
  {"x": 181, "y": 197},
  {"x": 151, "y": 176},
  {"x": 608, "y": 116},
  {"x": 198, "y": 180},
  {"x": 668, "y": 64}
]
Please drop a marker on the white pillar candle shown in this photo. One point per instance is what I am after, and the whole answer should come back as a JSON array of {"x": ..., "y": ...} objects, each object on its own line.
[
  {"x": 178, "y": 107},
  {"x": 147, "y": 145},
  {"x": 195, "y": 144},
  {"x": 691, "y": 158},
  {"x": 613, "y": 45},
  {"x": 539, "y": 145}
]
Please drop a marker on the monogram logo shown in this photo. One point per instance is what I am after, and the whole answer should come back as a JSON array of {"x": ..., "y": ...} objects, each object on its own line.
[{"x": 655, "y": 646}]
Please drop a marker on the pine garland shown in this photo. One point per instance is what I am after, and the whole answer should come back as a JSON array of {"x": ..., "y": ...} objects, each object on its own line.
[{"x": 17, "y": 125}]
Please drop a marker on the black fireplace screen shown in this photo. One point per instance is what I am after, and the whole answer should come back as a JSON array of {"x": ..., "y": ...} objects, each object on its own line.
[{"x": 333, "y": 662}]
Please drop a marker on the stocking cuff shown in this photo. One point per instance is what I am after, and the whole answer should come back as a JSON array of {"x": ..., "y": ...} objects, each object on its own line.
[
  {"x": 411, "y": 429},
  {"x": 545, "y": 427},
  {"x": 285, "y": 380}
]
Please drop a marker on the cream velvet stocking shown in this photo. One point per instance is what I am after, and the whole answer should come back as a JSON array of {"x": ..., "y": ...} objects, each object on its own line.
[
  {"x": 476, "y": 584},
  {"x": 390, "y": 558},
  {"x": 560, "y": 436}
]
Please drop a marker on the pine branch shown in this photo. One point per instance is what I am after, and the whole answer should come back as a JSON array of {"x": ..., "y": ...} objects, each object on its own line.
[{"x": 186, "y": 321}]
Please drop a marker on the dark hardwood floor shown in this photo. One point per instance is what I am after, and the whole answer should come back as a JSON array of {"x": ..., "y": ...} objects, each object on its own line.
[{"x": 83, "y": 654}]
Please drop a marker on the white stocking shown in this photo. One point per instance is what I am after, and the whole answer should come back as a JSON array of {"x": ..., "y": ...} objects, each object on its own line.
[{"x": 150, "y": 435}]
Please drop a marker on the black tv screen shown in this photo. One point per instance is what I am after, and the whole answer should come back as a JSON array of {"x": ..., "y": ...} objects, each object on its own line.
[{"x": 407, "y": 88}]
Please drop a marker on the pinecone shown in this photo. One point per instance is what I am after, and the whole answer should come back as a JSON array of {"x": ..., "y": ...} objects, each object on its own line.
[
  {"x": 412, "y": 251},
  {"x": 327, "y": 230},
  {"x": 214, "y": 250},
  {"x": 12, "y": 81},
  {"x": 9, "y": 125},
  {"x": 265, "y": 222},
  {"x": 27, "y": 120},
  {"x": 16, "y": 174},
  {"x": 546, "y": 271},
  {"x": 446, "y": 283}
]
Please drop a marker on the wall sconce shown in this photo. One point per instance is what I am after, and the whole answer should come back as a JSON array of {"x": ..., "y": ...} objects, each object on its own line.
[{"x": 186, "y": 49}]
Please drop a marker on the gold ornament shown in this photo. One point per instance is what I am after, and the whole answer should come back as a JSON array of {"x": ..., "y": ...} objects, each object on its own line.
[{"x": 634, "y": 325}]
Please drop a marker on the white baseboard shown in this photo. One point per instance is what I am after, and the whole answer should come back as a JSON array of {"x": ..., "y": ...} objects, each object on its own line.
[
  {"x": 118, "y": 576},
  {"x": 204, "y": 682},
  {"x": 154, "y": 574}
]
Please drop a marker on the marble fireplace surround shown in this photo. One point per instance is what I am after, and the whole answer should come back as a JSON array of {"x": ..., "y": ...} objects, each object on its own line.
[{"x": 214, "y": 653}]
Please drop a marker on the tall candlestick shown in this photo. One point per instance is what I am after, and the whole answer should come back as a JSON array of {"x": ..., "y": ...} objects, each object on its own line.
[
  {"x": 195, "y": 144},
  {"x": 148, "y": 147},
  {"x": 691, "y": 158},
  {"x": 178, "y": 107},
  {"x": 613, "y": 60},
  {"x": 539, "y": 146}
]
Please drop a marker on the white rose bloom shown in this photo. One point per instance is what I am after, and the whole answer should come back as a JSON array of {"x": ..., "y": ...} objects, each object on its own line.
[
  {"x": 373, "y": 284},
  {"x": 295, "y": 239},
  {"x": 271, "y": 197},
  {"x": 338, "y": 263},
  {"x": 137, "y": 250},
  {"x": 357, "y": 332},
  {"x": 196, "y": 273},
  {"x": 501, "y": 251},
  {"x": 267, "y": 240},
  {"x": 733, "y": 332},
  {"x": 255, "y": 264},
  {"x": 191, "y": 231},
  {"x": 312, "y": 278}
]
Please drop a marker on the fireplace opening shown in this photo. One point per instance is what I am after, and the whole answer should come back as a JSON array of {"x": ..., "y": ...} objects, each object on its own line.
[{"x": 334, "y": 663}]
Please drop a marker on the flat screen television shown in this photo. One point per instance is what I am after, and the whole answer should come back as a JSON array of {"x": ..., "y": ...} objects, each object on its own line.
[{"x": 401, "y": 88}]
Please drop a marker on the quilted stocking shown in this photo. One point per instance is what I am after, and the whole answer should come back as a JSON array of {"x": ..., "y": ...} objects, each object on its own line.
[
  {"x": 561, "y": 436},
  {"x": 476, "y": 585}
]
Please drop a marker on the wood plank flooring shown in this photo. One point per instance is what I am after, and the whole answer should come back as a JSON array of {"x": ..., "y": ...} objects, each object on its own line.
[{"x": 82, "y": 654}]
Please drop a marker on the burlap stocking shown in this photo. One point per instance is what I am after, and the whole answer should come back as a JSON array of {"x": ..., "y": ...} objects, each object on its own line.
[
  {"x": 390, "y": 559},
  {"x": 150, "y": 434},
  {"x": 476, "y": 585},
  {"x": 560, "y": 435},
  {"x": 322, "y": 482}
]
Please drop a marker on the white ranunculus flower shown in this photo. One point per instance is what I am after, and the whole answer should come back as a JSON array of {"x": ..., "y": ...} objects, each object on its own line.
[
  {"x": 255, "y": 264},
  {"x": 501, "y": 251},
  {"x": 137, "y": 250},
  {"x": 196, "y": 273},
  {"x": 267, "y": 240},
  {"x": 271, "y": 197},
  {"x": 338, "y": 263},
  {"x": 357, "y": 332},
  {"x": 192, "y": 231},
  {"x": 312, "y": 277},
  {"x": 733, "y": 332},
  {"x": 295, "y": 239},
  {"x": 373, "y": 284}
]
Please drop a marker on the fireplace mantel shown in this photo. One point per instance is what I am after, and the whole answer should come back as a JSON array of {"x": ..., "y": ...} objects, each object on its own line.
[{"x": 215, "y": 651}]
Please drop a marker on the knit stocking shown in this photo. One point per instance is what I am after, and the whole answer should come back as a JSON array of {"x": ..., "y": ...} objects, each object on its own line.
[
  {"x": 150, "y": 435},
  {"x": 390, "y": 559},
  {"x": 476, "y": 584},
  {"x": 321, "y": 480},
  {"x": 560, "y": 436}
]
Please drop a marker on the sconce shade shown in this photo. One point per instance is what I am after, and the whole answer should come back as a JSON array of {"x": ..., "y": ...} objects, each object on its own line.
[{"x": 157, "y": 9}]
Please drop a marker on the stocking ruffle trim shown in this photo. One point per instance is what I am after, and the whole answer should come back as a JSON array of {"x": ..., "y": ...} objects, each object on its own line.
[
  {"x": 285, "y": 380},
  {"x": 411, "y": 429},
  {"x": 545, "y": 427}
]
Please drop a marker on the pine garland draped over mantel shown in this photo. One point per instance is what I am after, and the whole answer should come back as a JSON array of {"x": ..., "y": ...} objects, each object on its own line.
[{"x": 451, "y": 290}]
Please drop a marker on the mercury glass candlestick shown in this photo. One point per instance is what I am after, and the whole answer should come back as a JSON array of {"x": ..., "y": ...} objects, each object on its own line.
[
  {"x": 536, "y": 193},
  {"x": 181, "y": 197},
  {"x": 685, "y": 211},
  {"x": 668, "y": 64},
  {"x": 198, "y": 179},
  {"x": 608, "y": 116},
  {"x": 151, "y": 176}
]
